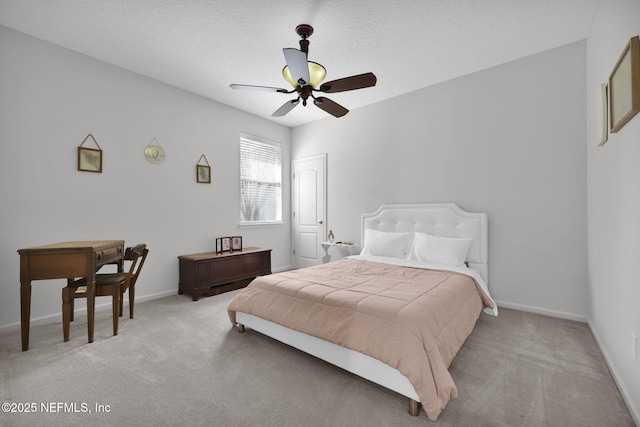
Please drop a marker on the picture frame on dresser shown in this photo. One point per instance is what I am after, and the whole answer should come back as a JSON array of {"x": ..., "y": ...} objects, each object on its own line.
[
  {"x": 223, "y": 244},
  {"x": 236, "y": 243}
]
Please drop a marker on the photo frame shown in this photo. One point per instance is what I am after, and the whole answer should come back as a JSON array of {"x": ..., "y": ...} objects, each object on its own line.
[
  {"x": 90, "y": 159},
  {"x": 624, "y": 86},
  {"x": 223, "y": 244},
  {"x": 203, "y": 174},
  {"x": 203, "y": 171},
  {"x": 236, "y": 243}
]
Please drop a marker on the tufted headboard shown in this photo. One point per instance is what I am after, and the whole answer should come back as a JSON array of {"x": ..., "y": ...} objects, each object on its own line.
[{"x": 438, "y": 219}]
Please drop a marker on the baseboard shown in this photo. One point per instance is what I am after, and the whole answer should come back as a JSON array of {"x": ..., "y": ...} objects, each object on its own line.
[
  {"x": 281, "y": 269},
  {"x": 544, "y": 311},
  {"x": 55, "y": 317},
  {"x": 631, "y": 405},
  {"x": 106, "y": 305},
  {"x": 152, "y": 296}
]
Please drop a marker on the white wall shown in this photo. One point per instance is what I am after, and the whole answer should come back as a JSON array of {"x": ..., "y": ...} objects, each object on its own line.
[
  {"x": 614, "y": 206},
  {"x": 508, "y": 141},
  {"x": 50, "y": 99}
]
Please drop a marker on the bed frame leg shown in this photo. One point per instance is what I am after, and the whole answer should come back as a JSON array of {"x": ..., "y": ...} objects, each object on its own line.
[
  {"x": 414, "y": 408},
  {"x": 241, "y": 328}
]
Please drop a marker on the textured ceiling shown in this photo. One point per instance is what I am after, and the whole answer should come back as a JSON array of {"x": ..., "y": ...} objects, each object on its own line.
[{"x": 204, "y": 45}]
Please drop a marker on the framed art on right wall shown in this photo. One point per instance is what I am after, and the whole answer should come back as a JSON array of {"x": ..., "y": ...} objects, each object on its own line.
[{"x": 624, "y": 86}]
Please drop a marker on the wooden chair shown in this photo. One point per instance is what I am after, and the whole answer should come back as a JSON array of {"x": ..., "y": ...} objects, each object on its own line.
[{"x": 110, "y": 284}]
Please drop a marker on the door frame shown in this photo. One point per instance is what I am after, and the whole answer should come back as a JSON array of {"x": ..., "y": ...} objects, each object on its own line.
[{"x": 322, "y": 157}]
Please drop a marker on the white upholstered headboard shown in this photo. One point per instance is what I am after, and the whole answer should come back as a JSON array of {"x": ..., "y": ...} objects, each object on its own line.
[{"x": 438, "y": 219}]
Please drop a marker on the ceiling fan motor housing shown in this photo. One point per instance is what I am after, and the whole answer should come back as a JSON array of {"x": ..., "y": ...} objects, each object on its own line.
[{"x": 304, "y": 31}]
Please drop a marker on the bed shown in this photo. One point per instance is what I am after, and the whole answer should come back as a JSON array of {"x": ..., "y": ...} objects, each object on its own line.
[{"x": 397, "y": 313}]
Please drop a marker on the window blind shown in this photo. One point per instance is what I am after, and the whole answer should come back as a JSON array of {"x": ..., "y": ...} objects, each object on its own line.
[{"x": 260, "y": 181}]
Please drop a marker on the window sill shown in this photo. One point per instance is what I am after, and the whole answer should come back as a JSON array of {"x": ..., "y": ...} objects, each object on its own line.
[{"x": 260, "y": 224}]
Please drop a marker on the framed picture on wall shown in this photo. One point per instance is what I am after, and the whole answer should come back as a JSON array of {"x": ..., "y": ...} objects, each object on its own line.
[
  {"x": 601, "y": 114},
  {"x": 89, "y": 160},
  {"x": 203, "y": 174},
  {"x": 624, "y": 86}
]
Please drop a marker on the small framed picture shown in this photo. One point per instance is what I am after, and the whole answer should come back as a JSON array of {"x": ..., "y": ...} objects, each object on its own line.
[
  {"x": 203, "y": 174},
  {"x": 89, "y": 160},
  {"x": 236, "y": 243},
  {"x": 226, "y": 244},
  {"x": 219, "y": 245}
]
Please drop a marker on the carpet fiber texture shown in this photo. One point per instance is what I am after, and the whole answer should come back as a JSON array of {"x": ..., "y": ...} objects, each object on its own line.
[{"x": 180, "y": 362}]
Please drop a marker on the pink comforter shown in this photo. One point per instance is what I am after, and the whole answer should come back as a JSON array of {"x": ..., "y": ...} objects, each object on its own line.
[{"x": 412, "y": 319}]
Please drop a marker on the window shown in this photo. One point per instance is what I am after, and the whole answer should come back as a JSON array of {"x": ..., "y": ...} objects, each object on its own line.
[{"x": 260, "y": 181}]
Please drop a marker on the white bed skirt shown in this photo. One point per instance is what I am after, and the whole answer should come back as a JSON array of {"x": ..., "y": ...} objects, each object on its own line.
[{"x": 357, "y": 363}]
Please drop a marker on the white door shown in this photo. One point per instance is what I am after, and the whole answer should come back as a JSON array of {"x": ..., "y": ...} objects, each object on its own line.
[{"x": 309, "y": 210}]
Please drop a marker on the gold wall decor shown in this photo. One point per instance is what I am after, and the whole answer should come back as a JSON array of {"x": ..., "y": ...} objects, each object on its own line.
[{"x": 154, "y": 152}]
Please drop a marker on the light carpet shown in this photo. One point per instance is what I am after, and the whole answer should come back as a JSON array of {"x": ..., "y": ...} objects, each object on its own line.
[{"x": 180, "y": 362}]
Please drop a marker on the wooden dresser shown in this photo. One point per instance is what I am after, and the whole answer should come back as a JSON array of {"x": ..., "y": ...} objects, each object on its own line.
[{"x": 211, "y": 273}]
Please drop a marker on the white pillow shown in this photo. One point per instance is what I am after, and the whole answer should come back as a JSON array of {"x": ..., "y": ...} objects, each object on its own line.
[
  {"x": 382, "y": 243},
  {"x": 440, "y": 250}
]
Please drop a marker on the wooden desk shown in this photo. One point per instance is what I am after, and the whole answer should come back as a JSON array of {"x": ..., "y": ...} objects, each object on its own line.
[
  {"x": 63, "y": 261},
  {"x": 211, "y": 273}
]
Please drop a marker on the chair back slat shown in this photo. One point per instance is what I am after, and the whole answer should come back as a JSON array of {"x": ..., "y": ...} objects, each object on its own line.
[{"x": 137, "y": 255}]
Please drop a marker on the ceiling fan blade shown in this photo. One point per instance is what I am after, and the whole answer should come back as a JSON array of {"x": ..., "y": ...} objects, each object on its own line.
[
  {"x": 297, "y": 62},
  {"x": 286, "y": 107},
  {"x": 330, "y": 106},
  {"x": 349, "y": 83},
  {"x": 263, "y": 88}
]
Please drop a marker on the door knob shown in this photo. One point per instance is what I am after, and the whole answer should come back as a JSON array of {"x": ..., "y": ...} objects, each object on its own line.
[{"x": 320, "y": 222}]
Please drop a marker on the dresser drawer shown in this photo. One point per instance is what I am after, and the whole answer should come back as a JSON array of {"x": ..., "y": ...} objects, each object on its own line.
[{"x": 109, "y": 255}]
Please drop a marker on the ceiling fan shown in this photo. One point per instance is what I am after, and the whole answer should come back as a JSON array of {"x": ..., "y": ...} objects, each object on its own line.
[{"x": 305, "y": 75}]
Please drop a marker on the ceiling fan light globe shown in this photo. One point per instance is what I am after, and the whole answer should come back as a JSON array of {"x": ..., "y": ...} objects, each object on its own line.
[{"x": 317, "y": 73}]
